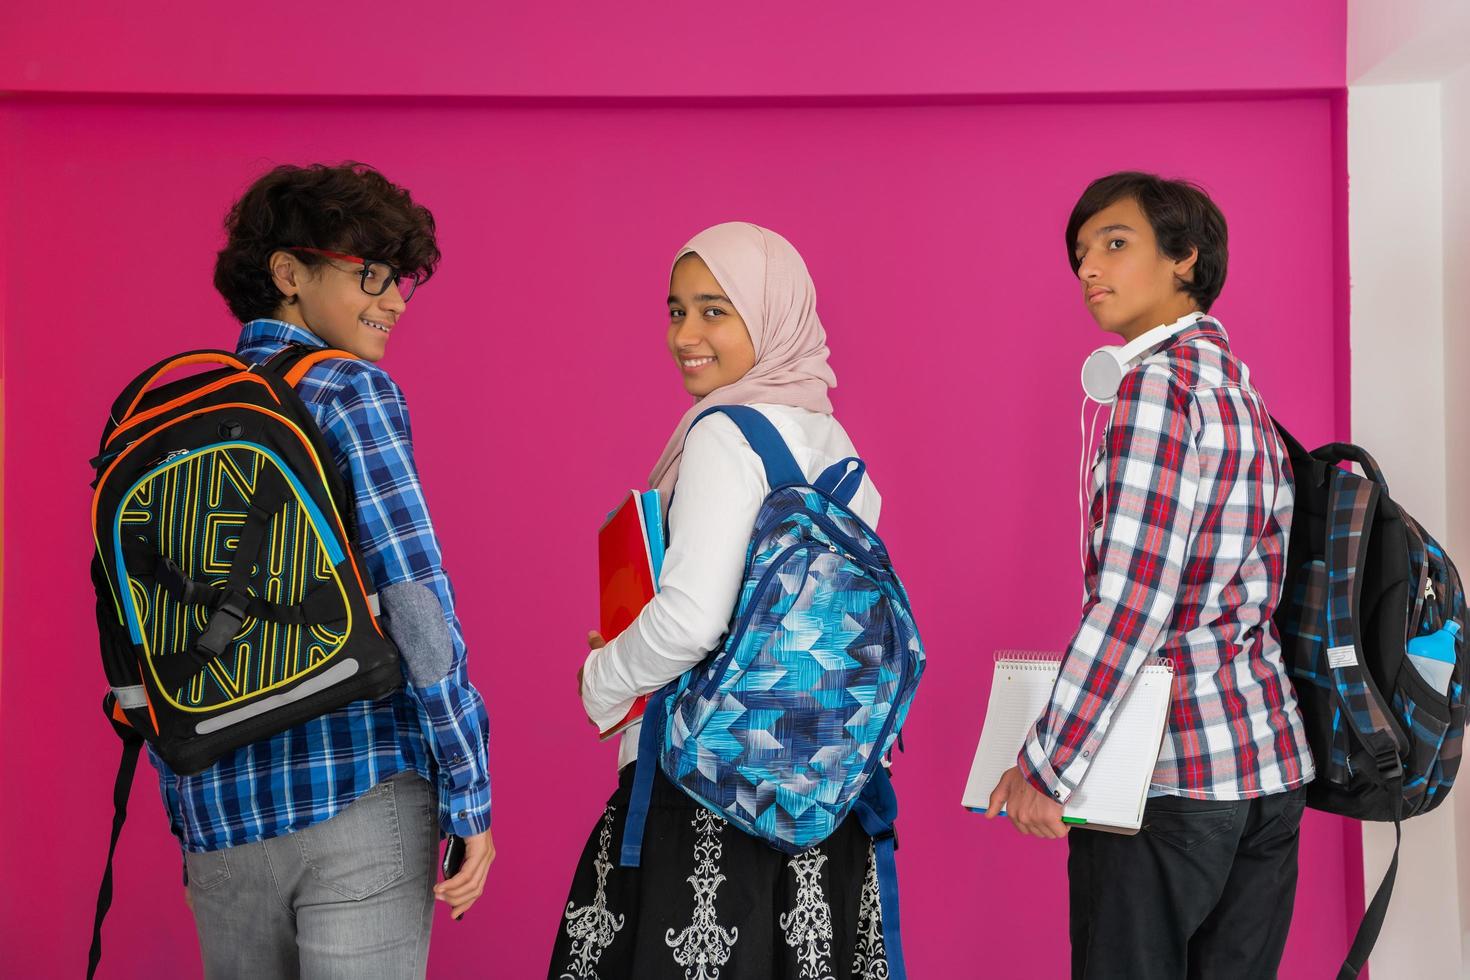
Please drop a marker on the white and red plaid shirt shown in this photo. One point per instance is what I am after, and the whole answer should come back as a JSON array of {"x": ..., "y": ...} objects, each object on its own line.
[{"x": 1191, "y": 508}]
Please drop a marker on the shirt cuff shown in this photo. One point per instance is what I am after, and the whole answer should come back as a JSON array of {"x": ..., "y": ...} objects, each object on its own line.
[
  {"x": 1037, "y": 770},
  {"x": 599, "y": 673},
  {"x": 465, "y": 814},
  {"x": 456, "y": 730}
]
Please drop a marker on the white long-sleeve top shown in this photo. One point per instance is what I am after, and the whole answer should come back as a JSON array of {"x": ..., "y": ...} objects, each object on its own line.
[{"x": 717, "y": 497}]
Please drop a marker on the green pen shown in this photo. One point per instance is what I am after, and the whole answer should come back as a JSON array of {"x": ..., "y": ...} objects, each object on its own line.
[{"x": 1074, "y": 821}]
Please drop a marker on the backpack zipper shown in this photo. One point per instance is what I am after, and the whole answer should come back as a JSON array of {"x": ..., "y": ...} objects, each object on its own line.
[
  {"x": 903, "y": 679},
  {"x": 733, "y": 642},
  {"x": 835, "y": 534},
  {"x": 158, "y": 410}
]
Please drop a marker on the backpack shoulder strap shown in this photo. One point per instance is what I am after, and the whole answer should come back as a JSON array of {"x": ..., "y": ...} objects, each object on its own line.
[
  {"x": 877, "y": 810},
  {"x": 1372, "y": 923},
  {"x": 650, "y": 735},
  {"x": 121, "y": 787},
  {"x": 291, "y": 363},
  {"x": 781, "y": 468},
  {"x": 1352, "y": 502}
]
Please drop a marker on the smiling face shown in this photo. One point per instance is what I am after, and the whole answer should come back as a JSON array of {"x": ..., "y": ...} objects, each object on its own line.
[
  {"x": 330, "y": 302},
  {"x": 708, "y": 339},
  {"x": 1130, "y": 286}
]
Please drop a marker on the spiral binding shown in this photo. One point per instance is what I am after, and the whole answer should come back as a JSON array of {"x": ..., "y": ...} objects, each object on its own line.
[
  {"x": 1045, "y": 660},
  {"x": 1042, "y": 658}
]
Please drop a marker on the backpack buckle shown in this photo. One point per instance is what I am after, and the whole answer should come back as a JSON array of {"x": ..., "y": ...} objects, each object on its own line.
[
  {"x": 1389, "y": 765},
  {"x": 169, "y": 575},
  {"x": 224, "y": 623}
]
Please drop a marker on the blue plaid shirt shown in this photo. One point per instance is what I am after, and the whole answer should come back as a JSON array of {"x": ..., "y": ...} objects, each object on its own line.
[{"x": 310, "y": 773}]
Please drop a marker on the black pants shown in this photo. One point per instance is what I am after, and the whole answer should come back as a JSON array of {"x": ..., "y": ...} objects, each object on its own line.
[{"x": 1204, "y": 890}]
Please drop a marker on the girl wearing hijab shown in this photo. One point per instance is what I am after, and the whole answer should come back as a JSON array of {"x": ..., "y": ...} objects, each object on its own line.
[{"x": 708, "y": 900}]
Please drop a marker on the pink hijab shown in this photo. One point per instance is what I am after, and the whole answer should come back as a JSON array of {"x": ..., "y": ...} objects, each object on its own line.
[{"x": 766, "y": 279}]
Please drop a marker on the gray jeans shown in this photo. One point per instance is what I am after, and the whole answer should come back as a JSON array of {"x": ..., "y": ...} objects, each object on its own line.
[{"x": 350, "y": 897}]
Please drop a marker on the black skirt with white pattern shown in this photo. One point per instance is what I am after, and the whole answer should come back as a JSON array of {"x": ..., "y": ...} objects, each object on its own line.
[{"x": 711, "y": 902}]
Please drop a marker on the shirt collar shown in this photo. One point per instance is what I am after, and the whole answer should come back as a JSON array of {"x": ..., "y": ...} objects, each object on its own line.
[
  {"x": 1205, "y": 328},
  {"x": 275, "y": 333}
]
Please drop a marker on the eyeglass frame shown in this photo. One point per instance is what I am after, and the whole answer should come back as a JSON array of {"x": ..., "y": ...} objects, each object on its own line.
[{"x": 395, "y": 274}]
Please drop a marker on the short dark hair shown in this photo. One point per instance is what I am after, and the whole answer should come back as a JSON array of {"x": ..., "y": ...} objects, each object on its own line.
[
  {"x": 347, "y": 208},
  {"x": 1182, "y": 216}
]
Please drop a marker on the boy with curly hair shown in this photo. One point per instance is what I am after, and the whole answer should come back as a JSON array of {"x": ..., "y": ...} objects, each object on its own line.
[{"x": 314, "y": 852}]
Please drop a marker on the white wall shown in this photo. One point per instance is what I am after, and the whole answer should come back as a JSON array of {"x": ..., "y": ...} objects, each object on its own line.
[
  {"x": 1395, "y": 241},
  {"x": 1398, "y": 411},
  {"x": 1455, "y": 112},
  {"x": 1409, "y": 239},
  {"x": 1396, "y": 41}
]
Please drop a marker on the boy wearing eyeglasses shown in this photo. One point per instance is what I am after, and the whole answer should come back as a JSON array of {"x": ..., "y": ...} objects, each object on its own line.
[{"x": 314, "y": 851}]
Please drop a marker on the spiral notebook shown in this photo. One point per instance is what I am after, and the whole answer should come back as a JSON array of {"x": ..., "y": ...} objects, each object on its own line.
[{"x": 1115, "y": 789}]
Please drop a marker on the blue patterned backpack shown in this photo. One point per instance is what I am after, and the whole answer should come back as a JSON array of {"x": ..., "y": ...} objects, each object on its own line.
[{"x": 783, "y": 729}]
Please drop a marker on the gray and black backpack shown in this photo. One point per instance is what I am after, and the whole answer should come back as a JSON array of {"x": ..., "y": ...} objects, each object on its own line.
[{"x": 1372, "y": 622}]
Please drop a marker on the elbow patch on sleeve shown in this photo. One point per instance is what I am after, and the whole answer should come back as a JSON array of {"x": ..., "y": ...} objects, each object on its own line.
[{"x": 415, "y": 622}]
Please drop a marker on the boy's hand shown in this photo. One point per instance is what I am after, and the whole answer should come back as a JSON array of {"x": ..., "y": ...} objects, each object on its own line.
[
  {"x": 1032, "y": 812},
  {"x": 463, "y": 889}
]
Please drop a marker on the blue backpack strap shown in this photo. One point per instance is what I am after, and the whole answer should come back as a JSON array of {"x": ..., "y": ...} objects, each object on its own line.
[
  {"x": 877, "y": 809},
  {"x": 842, "y": 479},
  {"x": 650, "y": 739},
  {"x": 781, "y": 468}
]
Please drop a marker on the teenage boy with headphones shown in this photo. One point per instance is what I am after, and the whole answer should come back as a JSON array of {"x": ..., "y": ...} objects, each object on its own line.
[{"x": 1191, "y": 508}]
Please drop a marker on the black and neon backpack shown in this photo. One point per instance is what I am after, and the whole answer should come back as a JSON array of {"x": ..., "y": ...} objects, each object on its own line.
[
  {"x": 1372, "y": 622},
  {"x": 231, "y": 601}
]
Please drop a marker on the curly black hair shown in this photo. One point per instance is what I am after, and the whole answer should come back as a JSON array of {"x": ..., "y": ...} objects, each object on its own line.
[
  {"x": 1182, "y": 216},
  {"x": 347, "y": 208}
]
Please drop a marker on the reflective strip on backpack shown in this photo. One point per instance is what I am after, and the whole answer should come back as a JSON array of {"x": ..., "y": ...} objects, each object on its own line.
[
  {"x": 335, "y": 674},
  {"x": 131, "y": 696}
]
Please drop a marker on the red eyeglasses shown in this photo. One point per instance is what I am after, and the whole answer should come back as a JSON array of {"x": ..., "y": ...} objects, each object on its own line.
[{"x": 375, "y": 275}]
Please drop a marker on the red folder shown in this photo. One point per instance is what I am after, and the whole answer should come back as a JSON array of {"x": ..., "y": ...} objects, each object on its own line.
[{"x": 626, "y": 578}]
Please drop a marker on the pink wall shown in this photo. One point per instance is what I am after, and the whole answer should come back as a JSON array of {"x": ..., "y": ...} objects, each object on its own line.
[
  {"x": 956, "y": 335},
  {"x": 930, "y": 214},
  {"x": 647, "y": 48}
]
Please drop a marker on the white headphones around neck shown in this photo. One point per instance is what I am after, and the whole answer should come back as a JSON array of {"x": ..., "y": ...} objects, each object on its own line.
[{"x": 1102, "y": 372}]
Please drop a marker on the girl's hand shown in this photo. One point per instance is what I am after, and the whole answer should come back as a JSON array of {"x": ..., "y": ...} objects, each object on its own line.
[{"x": 595, "y": 642}]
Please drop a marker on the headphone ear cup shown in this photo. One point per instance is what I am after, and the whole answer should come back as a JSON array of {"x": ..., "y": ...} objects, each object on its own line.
[{"x": 1102, "y": 374}]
